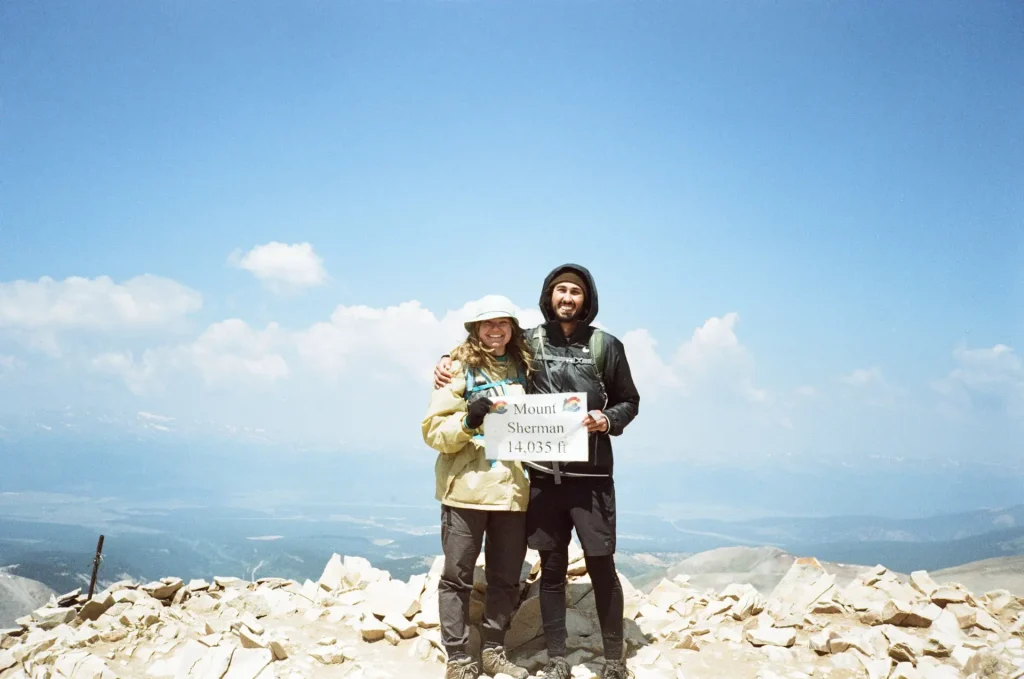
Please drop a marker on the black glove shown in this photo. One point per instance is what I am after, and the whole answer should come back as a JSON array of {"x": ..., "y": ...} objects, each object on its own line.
[{"x": 477, "y": 410}]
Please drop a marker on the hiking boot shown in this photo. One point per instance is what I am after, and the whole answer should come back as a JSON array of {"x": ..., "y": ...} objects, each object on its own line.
[
  {"x": 616, "y": 669},
  {"x": 495, "y": 662},
  {"x": 462, "y": 668},
  {"x": 557, "y": 668}
]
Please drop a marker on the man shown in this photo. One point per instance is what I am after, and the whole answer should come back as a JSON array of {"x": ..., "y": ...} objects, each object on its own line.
[{"x": 570, "y": 355}]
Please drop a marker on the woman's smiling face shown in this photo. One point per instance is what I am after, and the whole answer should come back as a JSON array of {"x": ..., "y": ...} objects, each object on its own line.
[{"x": 495, "y": 334}]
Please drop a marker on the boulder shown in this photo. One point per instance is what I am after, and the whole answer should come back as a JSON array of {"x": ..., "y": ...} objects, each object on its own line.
[
  {"x": 372, "y": 629},
  {"x": 750, "y": 603},
  {"x": 903, "y": 647},
  {"x": 94, "y": 608},
  {"x": 391, "y": 597},
  {"x": 328, "y": 655},
  {"x": 666, "y": 594},
  {"x": 526, "y": 624},
  {"x": 923, "y": 583},
  {"x": 163, "y": 589},
  {"x": 770, "y": 636},
  {"x": 949, "y": 594},
  {"x": 333, "y": 574},
  {"x": 804, "y": 585},
  {"x": 247, "y": 663},
  {"x": 48, "y": 618},
  {"x": 905, "y": 670},
  {"x": 404, "y": 627}
]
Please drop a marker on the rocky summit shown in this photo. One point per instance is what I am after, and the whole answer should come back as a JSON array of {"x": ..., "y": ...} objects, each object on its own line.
[{"x": 357, "y": 621}]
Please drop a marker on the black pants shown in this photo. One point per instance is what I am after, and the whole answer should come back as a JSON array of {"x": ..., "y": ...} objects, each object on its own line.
[
  {"x": 588, "y": 505},
  {"x": 462, "y": 532}
]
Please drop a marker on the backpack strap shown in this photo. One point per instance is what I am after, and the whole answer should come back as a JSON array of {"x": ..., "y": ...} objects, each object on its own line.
[{"x": 596, "y": 346}]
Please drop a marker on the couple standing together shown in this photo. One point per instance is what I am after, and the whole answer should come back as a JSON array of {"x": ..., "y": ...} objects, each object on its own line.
[{"x": 496, "y": 498}]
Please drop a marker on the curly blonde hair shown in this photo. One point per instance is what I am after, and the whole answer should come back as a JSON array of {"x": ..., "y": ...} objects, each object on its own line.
[{"x": 475, "y": 355}]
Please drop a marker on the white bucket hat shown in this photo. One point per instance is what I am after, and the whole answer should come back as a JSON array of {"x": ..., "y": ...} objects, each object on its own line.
[{"x": 491, "y": 306}]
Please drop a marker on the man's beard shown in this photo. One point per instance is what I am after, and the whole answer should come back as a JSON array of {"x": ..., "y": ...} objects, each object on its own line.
[{"x": 576, "y": 314}]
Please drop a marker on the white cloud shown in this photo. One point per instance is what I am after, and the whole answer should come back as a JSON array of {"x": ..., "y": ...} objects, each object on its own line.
[
  {"x": 652, "y": 375},
  {"x": 993, "y": 372},
  {"x": 230, "y": 353},
  {"x": 9, "y": 364},
  {"x": 282, "y": 266},
  {"x": 153, "y": 417},
  {"x": 360, "y": 379},
  {"x": 137, "y": 376},
  {"x": 97, "y": 303},
  {"x": 713, "y": 360},
  {"x": 865, "y": 377},
  {"x": 872, "y": 387}
]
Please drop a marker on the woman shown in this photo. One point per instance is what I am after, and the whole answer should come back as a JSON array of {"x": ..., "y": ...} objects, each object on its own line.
[{"x": 479, "y": 496}]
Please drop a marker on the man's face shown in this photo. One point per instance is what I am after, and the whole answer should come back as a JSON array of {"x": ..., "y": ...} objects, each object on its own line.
[{"x": 567, "y": 301}]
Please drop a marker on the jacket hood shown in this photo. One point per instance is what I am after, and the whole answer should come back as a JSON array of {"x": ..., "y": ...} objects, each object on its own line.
[{"x": 590, "y": 305}]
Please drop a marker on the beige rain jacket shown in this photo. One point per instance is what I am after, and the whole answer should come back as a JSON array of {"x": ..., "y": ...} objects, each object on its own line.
[{"x": 464, "y": 477}]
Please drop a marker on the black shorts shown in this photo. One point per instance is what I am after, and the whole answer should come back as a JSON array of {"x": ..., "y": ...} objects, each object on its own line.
[{"x": 586, "y": 504}]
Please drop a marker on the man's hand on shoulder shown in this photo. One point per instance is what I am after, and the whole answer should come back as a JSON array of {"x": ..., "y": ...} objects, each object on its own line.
[{"x": 442, "y": 372}]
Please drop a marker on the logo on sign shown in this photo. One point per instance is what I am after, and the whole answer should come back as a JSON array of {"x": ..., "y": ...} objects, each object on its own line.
[
  {"x": 500, "y": 407},
  {"x": 571, "y": 404}
]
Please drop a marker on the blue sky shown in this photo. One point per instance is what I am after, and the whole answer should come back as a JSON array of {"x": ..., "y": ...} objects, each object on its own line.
[{"x": 844, "y": 177}]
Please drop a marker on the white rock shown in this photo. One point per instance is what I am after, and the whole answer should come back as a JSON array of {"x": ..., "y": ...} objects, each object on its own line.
[
  {"x": 330, "y": 655},
  {"x": 48, "y": 618},
  {"x": 372, "y": 629},
  {"x": 769, "y": 636},
  {"x": 251, "y": 640},
  {"x": 648, "y": 655},
  {"x": 404, "y": 627},
  {"x": 230, "y": 582},
  {"x": 949, "y": 594},
  {"x": 804, "y": 585},
  {"x": 903, "y": 647},
  {"x": 247, "y": 663},
  {"x": 391, "y": 597},
  {"x": 250, "y": 621},
  {"x": 215, "y": 663},
  {"x": 333, "y": 574},
  {"x": 877, "y": 668},
  {"x": 905, "y": 670},
  {"x": 7, "y": 660},
  {"x": 749, "y": 604},
  {"x": 923, "y": 583},
  {"x": 821, "y": 643},
  {"x": 665, "y": 594},
  {"x": 430, "y": 614},
  {"x": 163, "y": 589},
  {"x": 940, "y": 644},
  {"x": 961, "y": 656}
]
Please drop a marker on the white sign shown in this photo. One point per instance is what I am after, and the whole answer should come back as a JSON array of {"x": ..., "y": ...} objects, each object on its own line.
[{"x": 538, "y": 428}]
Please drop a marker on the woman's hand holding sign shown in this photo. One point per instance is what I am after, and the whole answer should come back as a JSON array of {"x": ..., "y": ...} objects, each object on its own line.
[{"x": 476, "y": 412}]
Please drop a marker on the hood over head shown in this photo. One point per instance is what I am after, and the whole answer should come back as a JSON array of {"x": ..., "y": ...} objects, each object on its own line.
[{"x": 589, "y": 303}]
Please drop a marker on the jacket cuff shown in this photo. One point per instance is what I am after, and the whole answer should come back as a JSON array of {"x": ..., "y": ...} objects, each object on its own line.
[{"x": 612, "y": 430}]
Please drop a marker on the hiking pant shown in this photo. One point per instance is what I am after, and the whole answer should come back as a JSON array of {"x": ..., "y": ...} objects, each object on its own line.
[
  {"x": 462, "y": 532},
  {"x": 588, "y": 505}
]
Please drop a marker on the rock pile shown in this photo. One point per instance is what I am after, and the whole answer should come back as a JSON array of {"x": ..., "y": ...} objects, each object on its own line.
[{"x": 358, "y": 621}]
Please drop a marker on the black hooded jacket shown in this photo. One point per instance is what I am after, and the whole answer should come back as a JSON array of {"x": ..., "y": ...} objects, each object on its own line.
[{"x": 613, "y": 393}]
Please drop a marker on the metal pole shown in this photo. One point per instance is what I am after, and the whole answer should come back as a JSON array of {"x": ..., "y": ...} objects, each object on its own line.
[{"x": 96, "y": 566}]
